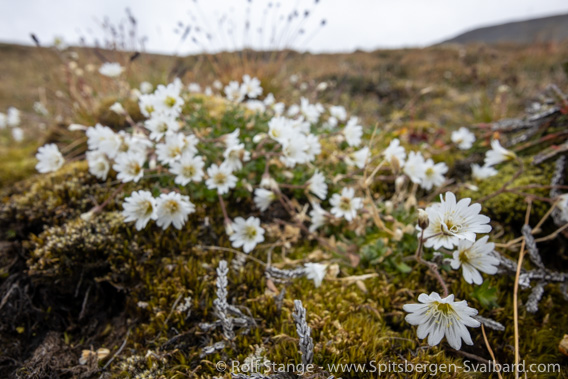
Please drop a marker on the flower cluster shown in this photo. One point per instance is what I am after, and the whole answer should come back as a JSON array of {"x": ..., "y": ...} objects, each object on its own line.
[
  {"x": 12, "y": 119},
  {"x": 278, "y": 162}
]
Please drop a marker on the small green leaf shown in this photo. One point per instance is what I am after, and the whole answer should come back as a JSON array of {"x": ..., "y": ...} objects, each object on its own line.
[{"x": 486, "y": 296}]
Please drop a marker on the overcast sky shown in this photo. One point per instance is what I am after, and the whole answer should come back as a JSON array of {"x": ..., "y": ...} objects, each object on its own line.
[{"x": 350, "y": 24}]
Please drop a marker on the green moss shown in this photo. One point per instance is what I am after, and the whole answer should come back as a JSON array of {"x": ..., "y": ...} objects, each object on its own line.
[
  {"x": 509, "y": 208},
  {"x": 17, "y": 163}
]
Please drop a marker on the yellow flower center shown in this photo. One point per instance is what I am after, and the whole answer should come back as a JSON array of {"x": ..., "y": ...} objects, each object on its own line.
[
  {"x": 250, "y": 232},
  {"x": 149, "y": 208},
  {"x": 163, "y": 127},
  {"x": 188, "y": 171},
  {"x": 345, "y": 204},
  {"x": 464, "y": 256},
  {"x": 170, "y": 101},
  {"x": 172, "y": 206},
  {"x": 444, "y": 308},
  {"x": 220, "y": 178}
]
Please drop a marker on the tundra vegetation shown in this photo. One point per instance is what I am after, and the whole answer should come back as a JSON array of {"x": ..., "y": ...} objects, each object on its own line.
[{"x": 160, "y": 215}]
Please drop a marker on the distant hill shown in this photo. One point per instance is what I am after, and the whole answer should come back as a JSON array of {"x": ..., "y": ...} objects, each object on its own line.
[{"x": 546, "y": 29}]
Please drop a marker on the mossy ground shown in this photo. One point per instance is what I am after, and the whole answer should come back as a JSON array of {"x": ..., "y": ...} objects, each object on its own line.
[
  {"x": 82, "y": 283},
  {"x": 72, "y": 284}
]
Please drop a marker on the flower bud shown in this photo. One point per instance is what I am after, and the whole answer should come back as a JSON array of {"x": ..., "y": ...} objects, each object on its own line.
[
  {"x": 268, "y": 183},
  {"x": 423, "y": 220},
  {"x": 389, "y": 207},
  {"x": 398, "y": 183},
  {"x": 398, "y": 234},
  {"x": 229, "y": 228},
  {"x": 395, "y": 163}
]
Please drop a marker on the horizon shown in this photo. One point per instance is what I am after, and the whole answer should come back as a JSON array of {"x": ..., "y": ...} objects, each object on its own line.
[{"x": 343, "y": 32}]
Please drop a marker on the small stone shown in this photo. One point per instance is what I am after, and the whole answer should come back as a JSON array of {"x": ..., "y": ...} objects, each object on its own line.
[{"x": 563, "y": 345}]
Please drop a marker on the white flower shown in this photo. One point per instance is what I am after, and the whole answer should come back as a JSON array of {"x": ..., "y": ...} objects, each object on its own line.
[
  {"x": 315, "y": 272},
  {"x": 217, "y": 84},
  {"x": 235, "y": 155},
  {"x": 482, "y": 172},
  {"x": 148, "y": 104},
  {"x": 146, "y": 87},
  {"x": 317, "y": 185},
  {"x": 474, "y": 257},
  {"x": 161, "y": 124},
  {"x": 111, "y": 70},
  {"x": 194, "y": 88},
  {"x": 346, "y": 204},
  {"x": 18, "y": 134},
  {"x": 263, "y": 198},
  {"x": 279, "y": 128},
  {"x": 13, "y": 117},
  {"x": 173, "y": 208},
  {"x": 313, "y": 147},
  {"x": 395, "y": 151},
  {"x": 452, "y": 221},
  {"x": 358, "y": 158},
  {"x": 233, "y": 92},
  {"x": 294, "y": 150},
  {"x": 251, "y": 87},
  {"x": 497, "y": 154},
  {"x": 338, "y": 112},
  {"x": 331, "y": 123},
  {"x": 256, "y": 106},
  {"x": 102, "y": 138},
  {"x": 129, "y": 167},
  {"x": 99, "y": 165},
  {"x": 437, "y": 317},
  {"x": 317, "y": 215},
  {"x": 310, "y": 111},
  {"x": 278, "y": 108},
  {"x": 139, "y": 207},
  {"x": 269, "y": 100},
  {"x": 134, "y": 143},
  {"x": 433, "y": 174},
  {"x": 168, "y": 99},
  {"x": 246, "y": 233},
  {"x": 175, "y": 145},
  {"x": 415, "y": 167},
  {"x": 220, "y": 178},
  {"x": 188, "y": 169},
  {"x": 463, "y": 138},
  {"x": 118, "y": 108},
  {"x": 353, "y": 132},
  {"x": 232, "y": 139},
  {"x": 50, "y": 159}
]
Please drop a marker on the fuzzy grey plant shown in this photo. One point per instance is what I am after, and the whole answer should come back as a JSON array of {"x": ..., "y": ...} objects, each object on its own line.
[
  {"x": 304, "y": 332},
  {"x": 211, "y": 349},
  {"x": 535, "y": 297},
  {"x": 557, "y": 180},
  {"x": 541, "y": 274},
  {"x": 530, "y": 243},
  {"x": 279, "y": 275},
  {"x": 491, "y": 324},
  {"x": 221, "y": 304}
]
